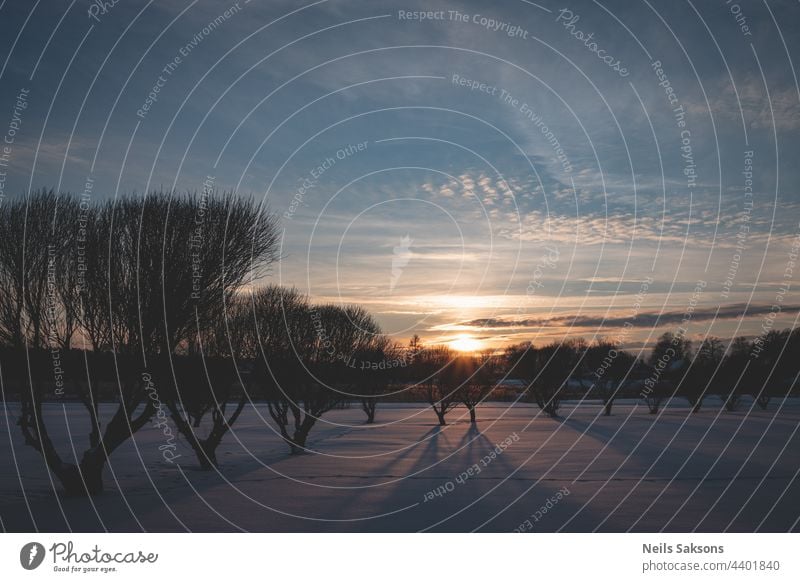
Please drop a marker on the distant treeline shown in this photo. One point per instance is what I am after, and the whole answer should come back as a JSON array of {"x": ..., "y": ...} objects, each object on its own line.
[{"x": 156, "y": 304}]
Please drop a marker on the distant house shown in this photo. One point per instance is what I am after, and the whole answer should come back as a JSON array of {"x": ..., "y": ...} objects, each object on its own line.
[{"x": 513, "y": 385}]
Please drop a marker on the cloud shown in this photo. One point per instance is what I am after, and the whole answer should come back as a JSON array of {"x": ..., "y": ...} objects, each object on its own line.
[
  {"x": 781, "y": 109},
  {"x": 644, "y": 320}
]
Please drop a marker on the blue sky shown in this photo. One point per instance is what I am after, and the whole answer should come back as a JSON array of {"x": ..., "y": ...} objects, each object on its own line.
[{"x": 510, "y": 184}]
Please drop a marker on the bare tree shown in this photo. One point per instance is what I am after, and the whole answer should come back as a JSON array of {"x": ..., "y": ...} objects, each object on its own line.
[
  {"x": 12, "y": 281},
  {"x": 701, "y": 377},
  {"x": 197, "y": 386},
  {"x": 222, "y": 243},
  {"x": 733, "y": 373},
  {"x": 773, "y": 366},
  {"x": 479, "y": 375},
  {"x": 34, "y": 265},
  {"x": 546, "y": 370},
  {"x": 37, "y": 234},
  {"x": 304, "y": 355},
  {"x": 609, "y": 368},
  {"x": 668, "y": 362},
  {"x": 374, "y": 370},
  {"x": 207, "y": 382},
  {"x": 434, "y": 375}
]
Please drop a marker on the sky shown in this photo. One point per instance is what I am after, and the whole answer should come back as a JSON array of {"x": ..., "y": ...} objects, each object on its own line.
[{"x": 486, "y": 173}]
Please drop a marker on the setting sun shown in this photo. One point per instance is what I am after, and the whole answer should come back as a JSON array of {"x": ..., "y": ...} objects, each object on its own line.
[{"x": 465, "y": 343}]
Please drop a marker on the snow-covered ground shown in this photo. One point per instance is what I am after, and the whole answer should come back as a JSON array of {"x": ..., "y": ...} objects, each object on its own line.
[{"x": 710, "y": 471}]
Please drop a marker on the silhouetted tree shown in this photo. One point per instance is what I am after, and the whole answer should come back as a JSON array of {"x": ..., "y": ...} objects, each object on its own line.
[
  {"x": 734, "y": 373},
  {"x": 609, "y": 368},
  {"x": 305, "y": 353},
  {"x": 231, "y": 242},
  {"x": 433, "y": 377},
  {"x": 546, "y": 370},
  {"x": 479, "y": 375},
  {"x": 12, "y": 269},
  {"x": 373, "y": 371},
  {"x": 702, "y": 372},
  {"x": 37, "y": 233},
  {"x": 773, "y": 365},
  {"x": 200, "y": 385},
  {"x": 668, "y": 362},
  {"x": 207, "y": 381}
]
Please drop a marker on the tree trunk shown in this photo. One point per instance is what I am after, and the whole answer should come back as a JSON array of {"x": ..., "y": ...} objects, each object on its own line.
[
  {"x": 203, "y": 449},
  {"x": 279, "y": 413},
  {"x": 653, "y": 404},
  {"x": 85, "y": 479},
  {"x": 92, "y": 465},
  {"x": 207, "y": 454},
  {"x": 695, "y": 402},
  {"x": 368, "y": 405},
  {"x": 440, "y": 416},
  {"x": 70, "y": 478},
  {"x": 732, "y": 402},
  {"x": 472, "y": 418},
  {"x": 298, "y": 443},
  {"x": 78, "y": 481},
  {"x": 607, "y": 406}
]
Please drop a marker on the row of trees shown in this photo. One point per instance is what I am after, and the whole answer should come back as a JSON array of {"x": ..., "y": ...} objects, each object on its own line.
[
  {"x": 149, "y": 303},
  {"x": 313, "y": 358},
  {"x": 762, "y": 368},
  {"x": 446, "y": 379},
  {"x": 96, "y": 299}
]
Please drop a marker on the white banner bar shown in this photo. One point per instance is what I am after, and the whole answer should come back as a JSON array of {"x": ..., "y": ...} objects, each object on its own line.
[{"x": 356, "y": 557}]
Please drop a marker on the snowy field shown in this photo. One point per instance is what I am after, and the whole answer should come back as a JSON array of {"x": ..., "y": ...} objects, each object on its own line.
[{"x": 711, "y": 471}]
